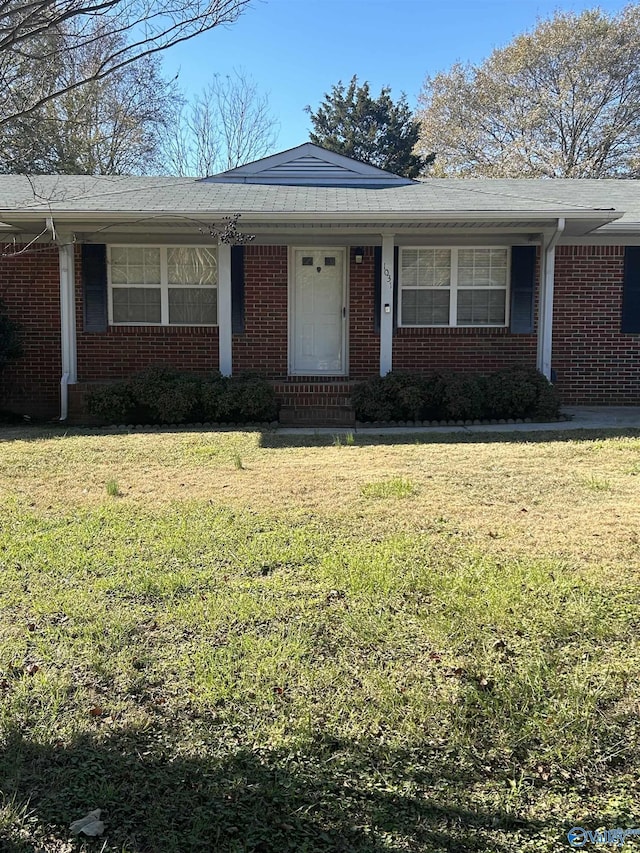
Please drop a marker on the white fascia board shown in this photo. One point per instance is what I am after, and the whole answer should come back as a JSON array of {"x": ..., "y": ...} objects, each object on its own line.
[
  {"x": 543, "y": 218},
  {"x": 579, "y": 223}
]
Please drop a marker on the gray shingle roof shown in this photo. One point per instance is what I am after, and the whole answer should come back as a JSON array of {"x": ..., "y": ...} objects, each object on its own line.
[{"x": 169, "y": 195}]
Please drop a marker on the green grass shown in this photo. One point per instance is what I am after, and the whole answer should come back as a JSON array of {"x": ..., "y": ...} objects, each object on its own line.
[
  {"x": 113, "y": 490},
  {"x": 221, "y": 675},
  {"x": 598, "y": 484},
  {"x": 397, "y": 487}
]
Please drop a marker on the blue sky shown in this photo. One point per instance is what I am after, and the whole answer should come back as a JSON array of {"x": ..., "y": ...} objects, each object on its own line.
[{"x": 297, "y": 49}]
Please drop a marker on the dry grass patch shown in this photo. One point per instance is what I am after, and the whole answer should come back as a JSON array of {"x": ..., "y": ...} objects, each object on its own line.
[{"x": 576, "y": 499}]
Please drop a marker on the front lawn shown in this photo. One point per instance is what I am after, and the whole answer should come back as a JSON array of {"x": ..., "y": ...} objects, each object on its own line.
[{"x": 256, "y": 644}]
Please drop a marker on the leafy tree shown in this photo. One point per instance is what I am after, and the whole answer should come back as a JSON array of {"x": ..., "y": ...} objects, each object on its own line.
[
  {"x": 562, "y": 100},
  {"x": 376, "y": 131},
  {"x": 35, "y": 31},
  {"x": 105, "y": 127},
  {"x": 228, "y": 124}
]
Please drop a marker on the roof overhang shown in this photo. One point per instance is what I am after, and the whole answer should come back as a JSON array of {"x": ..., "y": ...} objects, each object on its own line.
[{"x": 416, "y": 225}]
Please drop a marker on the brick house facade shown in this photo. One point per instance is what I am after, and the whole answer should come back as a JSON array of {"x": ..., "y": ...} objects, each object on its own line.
[{"x": 417, "y": 277}]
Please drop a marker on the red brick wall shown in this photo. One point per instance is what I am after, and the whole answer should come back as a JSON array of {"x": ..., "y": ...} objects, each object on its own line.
[
  {"x": 263, "y": 345},
  {"x": 29, "y": 286},
  {"x": 595, "y": 363},
  {"x": 461, "y": 349},
  {"x": 123, "y": 350},
  {"x": 364, "y": 344}
]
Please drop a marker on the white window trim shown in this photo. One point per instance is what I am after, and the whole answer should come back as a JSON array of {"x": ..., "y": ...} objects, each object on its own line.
[
  {"x": 163, "y": 285},
  {"x": 453, "y": 291}
]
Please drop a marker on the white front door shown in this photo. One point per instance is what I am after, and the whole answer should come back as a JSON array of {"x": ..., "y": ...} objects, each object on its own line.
[{"x": 318, "y": 312}]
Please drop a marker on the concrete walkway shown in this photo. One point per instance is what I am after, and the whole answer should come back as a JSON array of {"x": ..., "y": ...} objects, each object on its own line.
[{"x": 579, "y": 417}]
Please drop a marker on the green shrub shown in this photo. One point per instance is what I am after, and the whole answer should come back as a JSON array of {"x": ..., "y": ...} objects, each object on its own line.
[
  {"x": 110, "y": 403},
  {"x": 164, "y": 395},
  {"x": 212, "y": 394},
  {"x": 464, "y": 396},
  {"x": 248, "y": 398},
  {"x": 517, "y": 392},
  {"x": 407, "y": 393},
  {"x": 521, "y": 392},
  {"x": 398, "y": 396},
  {"x": 548, "y": 402},
  {"x": 511, "y": 393},
  {"x": 373, "y": 402}
]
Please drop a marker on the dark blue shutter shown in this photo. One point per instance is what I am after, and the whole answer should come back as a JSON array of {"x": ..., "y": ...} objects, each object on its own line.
[
  {"x": 94, "y": 287},
  {"x": 523, "y": 285},
  {"x": 237, "y": 290},
  {"x": 377, "y": 287},
  {"x": 631, "y": 291}
]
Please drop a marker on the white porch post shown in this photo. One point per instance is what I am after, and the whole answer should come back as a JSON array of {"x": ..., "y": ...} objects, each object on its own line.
[
  {"x": 68, "y": 307},
  {"x": 545, "y": 308},
  {"x": 225, "y": 332},
  {"x": 387, "y": 273}
]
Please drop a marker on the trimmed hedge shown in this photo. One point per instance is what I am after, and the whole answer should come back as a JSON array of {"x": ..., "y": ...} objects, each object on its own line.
[
  {"x": 163, "y": 395},
  {"x": 516, "y": 392}
]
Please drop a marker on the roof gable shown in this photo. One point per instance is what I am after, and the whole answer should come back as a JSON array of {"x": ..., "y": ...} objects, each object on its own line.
[{"x": 310, "y": 165}]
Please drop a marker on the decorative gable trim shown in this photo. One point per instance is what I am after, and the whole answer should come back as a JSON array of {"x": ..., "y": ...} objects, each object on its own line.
[{"x": 310, "y": 165}]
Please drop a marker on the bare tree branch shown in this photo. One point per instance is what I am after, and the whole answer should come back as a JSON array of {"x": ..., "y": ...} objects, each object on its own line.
[
  {"x": 227, "y": 125},
  {"x": 46, "y": 29},
  {"x": 110, "y": 126}
]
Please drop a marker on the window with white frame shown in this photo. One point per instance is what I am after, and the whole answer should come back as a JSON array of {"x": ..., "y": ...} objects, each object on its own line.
[
  {"x": 163, "y": 285},
  {"x": 453, "y": 287}
]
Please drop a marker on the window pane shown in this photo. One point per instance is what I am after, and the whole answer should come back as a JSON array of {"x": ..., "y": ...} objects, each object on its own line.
[
  {"x": 135, "y": 265},
  {"x": 192, "y": 265},
  {"x": 441, "y": 268},
  {"x": 481, "y": 307},
  {"x": 136, "y": 305},
  {"x": 193, "y": 306},
  {"x": 410, "y": 267},
  {"x": 482, "y": 267},
  {"x": 425, "y": 308},
  {"x": 426, "y": 268}
]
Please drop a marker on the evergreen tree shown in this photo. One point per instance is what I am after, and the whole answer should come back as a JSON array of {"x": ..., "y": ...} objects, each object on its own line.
[{"x": 376, "y": 131}]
